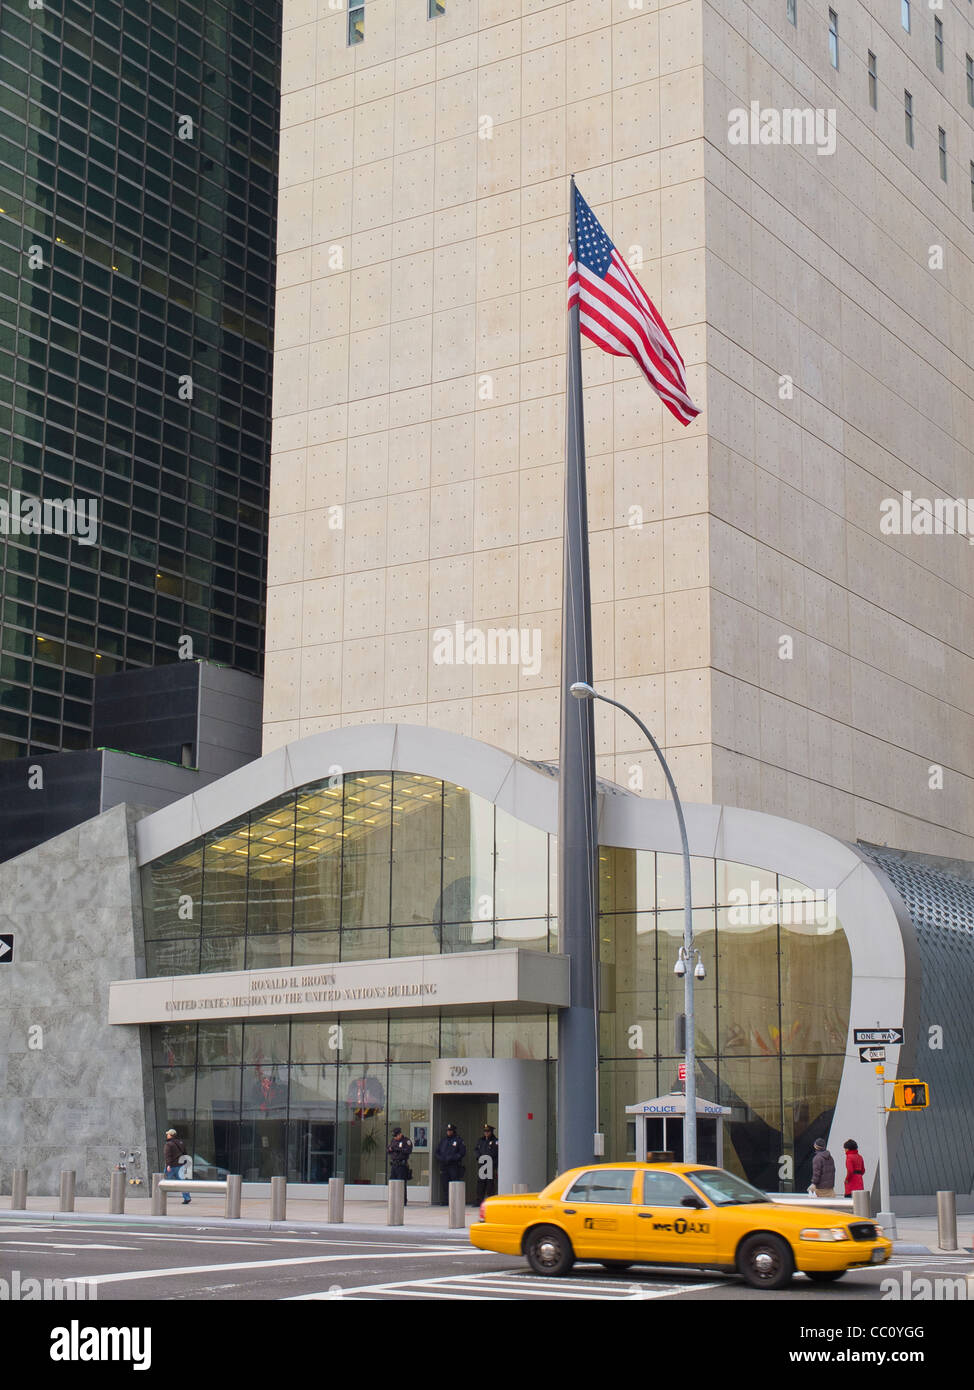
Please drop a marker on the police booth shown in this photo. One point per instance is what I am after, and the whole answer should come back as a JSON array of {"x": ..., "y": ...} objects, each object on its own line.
[{"x": 659, "y": 1127}]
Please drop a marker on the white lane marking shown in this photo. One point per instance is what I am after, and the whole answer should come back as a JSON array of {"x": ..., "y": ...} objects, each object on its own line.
[
  {"x": 60, "y": 1245},
  {"x": 918, "y": 1262},
  {"x": 402, "y": 1291},
  {"x": 647, "y": 1290},
  {"x": 129, "y": 1235},
  {"x": 286, "y": 1240},
  {"x": 177, "y": 1237},
  {"x": 129, "y": 1276}
]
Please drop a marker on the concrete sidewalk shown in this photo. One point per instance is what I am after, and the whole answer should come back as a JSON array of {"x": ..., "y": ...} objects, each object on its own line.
[
  {"x": 915, "y": 1234},
  {"x": 301, "y": 1212}
]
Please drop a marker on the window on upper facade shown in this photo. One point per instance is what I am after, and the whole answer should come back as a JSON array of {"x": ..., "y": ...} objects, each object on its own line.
[
  {"x": 873, "y": 82},
  {"x": 833, "y": 38}
]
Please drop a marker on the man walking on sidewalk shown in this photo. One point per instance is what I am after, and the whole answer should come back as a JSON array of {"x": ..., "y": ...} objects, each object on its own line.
[
  {"x": 175, "y": 1151},
  {"x": 823, "y": 1171}
]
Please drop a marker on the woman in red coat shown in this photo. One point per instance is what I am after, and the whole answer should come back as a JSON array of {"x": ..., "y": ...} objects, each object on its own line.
[{"x": 854, "y": 1167}]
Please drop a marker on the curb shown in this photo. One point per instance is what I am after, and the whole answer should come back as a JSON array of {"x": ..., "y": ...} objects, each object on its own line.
[{"x": 225, "y": 1224}]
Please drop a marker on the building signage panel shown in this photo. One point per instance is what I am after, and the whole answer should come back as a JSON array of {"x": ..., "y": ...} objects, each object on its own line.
[{"x": 409, "y": 982}]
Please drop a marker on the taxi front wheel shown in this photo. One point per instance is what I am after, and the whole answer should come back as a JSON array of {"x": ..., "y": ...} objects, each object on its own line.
[
  {"x": 549, "y": 1251},
  {"x": 765, "y": 1262}
]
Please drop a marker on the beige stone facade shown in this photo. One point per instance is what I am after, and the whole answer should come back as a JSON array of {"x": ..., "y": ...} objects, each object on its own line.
[{"x": 419, "y": 395}]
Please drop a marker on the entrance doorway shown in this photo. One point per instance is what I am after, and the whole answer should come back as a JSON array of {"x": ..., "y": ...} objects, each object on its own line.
[{"x": 468, "y": 1114}]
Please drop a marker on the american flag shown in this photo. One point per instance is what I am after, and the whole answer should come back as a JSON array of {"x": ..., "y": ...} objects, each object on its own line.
[{"x": 617, "y": 313}]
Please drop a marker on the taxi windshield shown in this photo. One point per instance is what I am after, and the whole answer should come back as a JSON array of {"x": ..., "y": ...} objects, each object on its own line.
[{"x": 726, "y": 1190}]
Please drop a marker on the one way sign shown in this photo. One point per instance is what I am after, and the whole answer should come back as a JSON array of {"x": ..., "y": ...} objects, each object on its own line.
[
  {"x": 6, "y": 949},
  {"x": 878, "y": 1035},
  {"x": 872, "y": 1054}
]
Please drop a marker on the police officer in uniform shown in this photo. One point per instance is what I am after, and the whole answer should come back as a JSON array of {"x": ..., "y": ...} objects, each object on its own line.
[
  {"x": 399, "y": 1151},
  {"x": 486, "y": 1163},
  {"x": 450, "y": 1153}
]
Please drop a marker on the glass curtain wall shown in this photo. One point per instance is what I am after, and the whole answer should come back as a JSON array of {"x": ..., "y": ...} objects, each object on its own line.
[
  {"x": 377, "y": 865},
  {"x": 351, "y": 868},
  {"x": 138, "y": 163},
  {"x": 317, "y": 1097},
  {"x": 772, "y": 1013},
  {"x": 357, "y": 868}
]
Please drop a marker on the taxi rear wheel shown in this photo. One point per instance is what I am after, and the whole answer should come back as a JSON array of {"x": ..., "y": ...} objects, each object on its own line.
[
  {"x": 549, "y": 1251},
  {"x": 616, "y": 1264},
  {"x": 765, "y": 1262}
]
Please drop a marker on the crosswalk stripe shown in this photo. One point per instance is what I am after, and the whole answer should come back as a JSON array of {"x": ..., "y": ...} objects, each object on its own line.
[{"x": 487, "y": 1285}]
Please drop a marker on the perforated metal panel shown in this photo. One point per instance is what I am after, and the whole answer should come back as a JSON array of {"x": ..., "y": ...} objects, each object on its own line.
[{"x": 936, "y": 1149}]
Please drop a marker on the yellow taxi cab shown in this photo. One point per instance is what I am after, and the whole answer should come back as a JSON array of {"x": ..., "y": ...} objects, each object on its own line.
[{"x": 689, "y": 1215}]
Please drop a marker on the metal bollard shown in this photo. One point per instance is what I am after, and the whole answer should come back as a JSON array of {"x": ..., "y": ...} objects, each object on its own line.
[
  {"x": 278, "y": 1199},
  {"x": 860, "y": 1203},
  {"x": 947, "y": 1220},
  {"x": 66, "y": 1197},
  {"x": 397, "y": 1202},
  {"x": 158, "y": 1197},
  {"x": 116, "y": 1195},
  {"x": 18, "y": 1201},
  {"x": 234, "y": 1188},
  {"x": 458, "y": 1200},
  {"x": 336, "y": 1201}
]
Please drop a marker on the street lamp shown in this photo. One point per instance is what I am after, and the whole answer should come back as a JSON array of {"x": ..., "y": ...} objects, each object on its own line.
[{"x": 583, "y": 691}]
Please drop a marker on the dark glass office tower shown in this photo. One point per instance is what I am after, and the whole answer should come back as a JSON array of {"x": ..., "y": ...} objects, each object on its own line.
[{"x": 138, "y": 185}]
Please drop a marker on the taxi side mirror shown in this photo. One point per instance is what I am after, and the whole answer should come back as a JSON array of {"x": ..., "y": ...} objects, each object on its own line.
[{"x": 693, "y": 1202}]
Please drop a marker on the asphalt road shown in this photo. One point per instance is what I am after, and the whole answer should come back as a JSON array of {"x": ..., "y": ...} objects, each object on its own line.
[{"x": 199, "y": 1263}]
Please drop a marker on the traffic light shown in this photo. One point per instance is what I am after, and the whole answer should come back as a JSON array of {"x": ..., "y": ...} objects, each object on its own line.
[{"x": 910, "y": 1095}]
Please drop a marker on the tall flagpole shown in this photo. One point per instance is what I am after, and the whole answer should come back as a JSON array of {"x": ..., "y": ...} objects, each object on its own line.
[{"x": 578, "y": 1058}]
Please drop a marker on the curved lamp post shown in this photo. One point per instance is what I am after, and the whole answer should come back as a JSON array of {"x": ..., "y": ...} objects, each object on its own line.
[{"x": 684, "y": 966}]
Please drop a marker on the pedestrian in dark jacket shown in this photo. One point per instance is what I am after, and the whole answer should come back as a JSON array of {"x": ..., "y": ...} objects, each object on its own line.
[
  {"x": 854, "y": 1167},
  {"x": 823, "y": 1171},
  {"x": 486, "y": 1163},
  {"x": 173, "y": 1154},
  {"x": 400, "y": 1149},
  {"x": 450, "y": 1153}
]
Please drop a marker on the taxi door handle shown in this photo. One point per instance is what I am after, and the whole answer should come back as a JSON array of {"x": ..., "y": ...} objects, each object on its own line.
[
  {"x": 570, "y": 1211},
  {"x": 644, "y": 1215}
]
